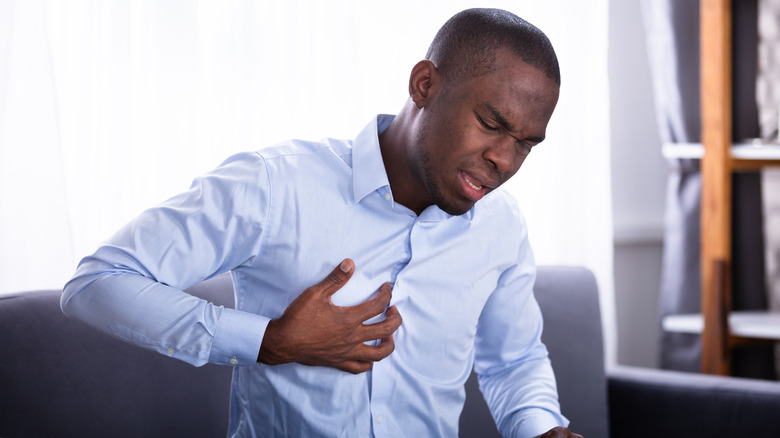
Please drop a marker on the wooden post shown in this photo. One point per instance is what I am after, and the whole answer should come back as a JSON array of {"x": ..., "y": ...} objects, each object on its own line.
[{"x": 716, "y": 183}]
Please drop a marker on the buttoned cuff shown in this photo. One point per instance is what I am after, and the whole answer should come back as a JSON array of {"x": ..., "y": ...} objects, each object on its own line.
[
  {"x": 536, "y": 421},
  {"x": 238, "y": 338}
]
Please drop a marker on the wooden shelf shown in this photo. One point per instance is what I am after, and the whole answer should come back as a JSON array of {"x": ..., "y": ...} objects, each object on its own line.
[
  {"x": 717, "y": 324},
  {"x": 745, "y": 324},
  {"x": 716, "y": 167},
  {"x": 739, "y": 151}
]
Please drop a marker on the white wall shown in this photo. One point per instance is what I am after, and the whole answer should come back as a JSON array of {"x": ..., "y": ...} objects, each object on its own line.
[{"x": 638, "y": 187}]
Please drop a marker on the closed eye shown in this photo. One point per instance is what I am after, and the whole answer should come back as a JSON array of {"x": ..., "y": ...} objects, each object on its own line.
[{"x": 487, "y": 125}]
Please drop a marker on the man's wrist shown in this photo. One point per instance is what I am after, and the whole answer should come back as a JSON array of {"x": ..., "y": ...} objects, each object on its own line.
[{"x": 269, "y": 353}]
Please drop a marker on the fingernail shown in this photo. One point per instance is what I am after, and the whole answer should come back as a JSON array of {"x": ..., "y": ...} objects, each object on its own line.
[{"x": 345, "y": 267}]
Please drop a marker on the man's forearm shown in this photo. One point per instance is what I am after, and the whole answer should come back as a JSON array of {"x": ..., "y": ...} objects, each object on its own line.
[{"x": 172, "y": 322}]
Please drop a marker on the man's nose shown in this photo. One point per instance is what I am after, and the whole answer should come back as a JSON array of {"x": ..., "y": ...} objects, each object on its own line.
[{"x": 501, "y": 154}]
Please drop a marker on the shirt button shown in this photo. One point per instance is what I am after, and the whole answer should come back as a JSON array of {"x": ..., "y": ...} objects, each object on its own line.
[
  {"x": 387, "y": 195},
  {"x": 233, "y": 361},
  {"x": 378, "y": 418},
  {"x": 397, "y": 283},
  {"x": 170, "y": 352}
]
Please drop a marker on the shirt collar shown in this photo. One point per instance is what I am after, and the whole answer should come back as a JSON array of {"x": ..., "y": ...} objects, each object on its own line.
[{"x": 368, "y": 168}]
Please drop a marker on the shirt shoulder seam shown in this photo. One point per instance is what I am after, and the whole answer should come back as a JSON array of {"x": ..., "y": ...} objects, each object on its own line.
[{"x": 270, "y": 205}]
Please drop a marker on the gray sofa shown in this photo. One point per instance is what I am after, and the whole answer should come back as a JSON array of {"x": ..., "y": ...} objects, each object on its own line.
[{"x": 59, "y": 378}]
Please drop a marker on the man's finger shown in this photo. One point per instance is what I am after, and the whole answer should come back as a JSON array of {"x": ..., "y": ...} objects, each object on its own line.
[
  {"x": 338, "y": 277},
  {"x": 373, "y": 307},
  {"x": 373, "y": 353},
  {"x": 393, "y": 313},
  {"x": 385, "y": 347},
  {"x": 354, "y": 366},
  {"x": 382, "y": 329},
  {"x": 381, "y": 351}
]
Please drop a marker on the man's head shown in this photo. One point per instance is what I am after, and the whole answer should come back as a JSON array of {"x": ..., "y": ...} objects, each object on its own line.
[
  {"x": 466, "y": 44},
  {"x": 478, "y": 104}
]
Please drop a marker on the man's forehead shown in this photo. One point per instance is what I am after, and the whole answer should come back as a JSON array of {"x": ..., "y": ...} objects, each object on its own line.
[
  {"x": 522, "y": 99},
  {"x": 517, "y": 79}
]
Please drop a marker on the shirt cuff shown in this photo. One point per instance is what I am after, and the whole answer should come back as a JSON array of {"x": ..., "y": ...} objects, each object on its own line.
[
  {"x": 536, "y": 421},
  {"x": 238, "y": 337}
]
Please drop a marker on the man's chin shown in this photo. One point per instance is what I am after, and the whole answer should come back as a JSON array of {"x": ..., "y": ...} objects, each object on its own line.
[{"x": 455, "y": 209}]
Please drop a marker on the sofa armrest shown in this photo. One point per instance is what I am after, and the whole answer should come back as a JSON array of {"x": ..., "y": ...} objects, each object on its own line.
[{"x": 659, "y": 403}]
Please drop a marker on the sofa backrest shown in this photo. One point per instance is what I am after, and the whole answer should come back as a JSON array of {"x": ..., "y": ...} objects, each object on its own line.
[
  {"x": 61, "y": 378},
  {"x": 569, "y": 299}
]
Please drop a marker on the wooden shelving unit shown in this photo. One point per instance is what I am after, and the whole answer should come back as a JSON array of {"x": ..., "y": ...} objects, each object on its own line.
[{"x": 720, "y": 328}]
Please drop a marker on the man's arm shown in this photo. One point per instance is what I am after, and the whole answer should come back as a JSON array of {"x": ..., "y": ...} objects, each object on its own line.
[
  {"x": 132, "y": 286},
  {"x": 515, "y": 375}
]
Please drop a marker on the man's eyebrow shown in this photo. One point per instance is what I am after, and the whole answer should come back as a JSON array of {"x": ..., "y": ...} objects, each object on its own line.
[
  {"x": 497, "y": 116},
  {"x": 501, "y": 120}
]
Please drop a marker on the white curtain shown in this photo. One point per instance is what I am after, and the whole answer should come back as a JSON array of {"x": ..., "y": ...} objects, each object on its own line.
[{"x": 108, "y": 107}]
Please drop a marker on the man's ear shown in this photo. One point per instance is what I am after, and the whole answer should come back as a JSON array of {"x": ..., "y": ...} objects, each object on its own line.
[{"x": 423, "y": 81}]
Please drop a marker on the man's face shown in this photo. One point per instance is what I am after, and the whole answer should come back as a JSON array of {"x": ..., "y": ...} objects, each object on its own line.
[{"x": 476, "y": 134}]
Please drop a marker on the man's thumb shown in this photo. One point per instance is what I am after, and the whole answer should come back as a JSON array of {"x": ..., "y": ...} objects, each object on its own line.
[
  {"x": 339, "y": 276},
  {"x": 346, "y": 266}
]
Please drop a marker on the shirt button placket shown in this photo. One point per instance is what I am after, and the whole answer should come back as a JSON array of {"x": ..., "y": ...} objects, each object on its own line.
[{"x": 382, "y": 424}]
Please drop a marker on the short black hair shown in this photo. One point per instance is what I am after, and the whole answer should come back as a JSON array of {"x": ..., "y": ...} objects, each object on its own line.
[{"x": 466, "y": 45}]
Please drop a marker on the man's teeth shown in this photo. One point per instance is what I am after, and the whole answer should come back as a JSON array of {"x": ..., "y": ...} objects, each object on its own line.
[{"x": 473, "y": 186}]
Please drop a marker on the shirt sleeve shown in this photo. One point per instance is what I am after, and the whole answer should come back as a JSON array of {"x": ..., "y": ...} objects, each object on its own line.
[
  {"x": 132, "y": 286},
  {"x": 515, "y": 374}
]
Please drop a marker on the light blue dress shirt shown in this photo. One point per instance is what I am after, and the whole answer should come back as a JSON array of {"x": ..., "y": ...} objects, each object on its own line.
[{"x": 280, "y": 220}]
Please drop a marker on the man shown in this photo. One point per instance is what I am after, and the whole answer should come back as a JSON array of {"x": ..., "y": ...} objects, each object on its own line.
[{"x": 409, "y": 214}]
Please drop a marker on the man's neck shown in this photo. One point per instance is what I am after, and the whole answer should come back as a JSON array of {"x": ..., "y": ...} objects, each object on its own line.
[{"x": 407, "y": 187}]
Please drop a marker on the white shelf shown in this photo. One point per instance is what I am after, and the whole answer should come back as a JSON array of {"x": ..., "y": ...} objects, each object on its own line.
[
  {"x": 742, "y": 151},
  {"x": 748, "y": 324}
]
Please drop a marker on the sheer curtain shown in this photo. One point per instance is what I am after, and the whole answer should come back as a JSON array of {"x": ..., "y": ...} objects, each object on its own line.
[
  {"x": 108, "y": 107},
  {"x": 672, "y": 29}
]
